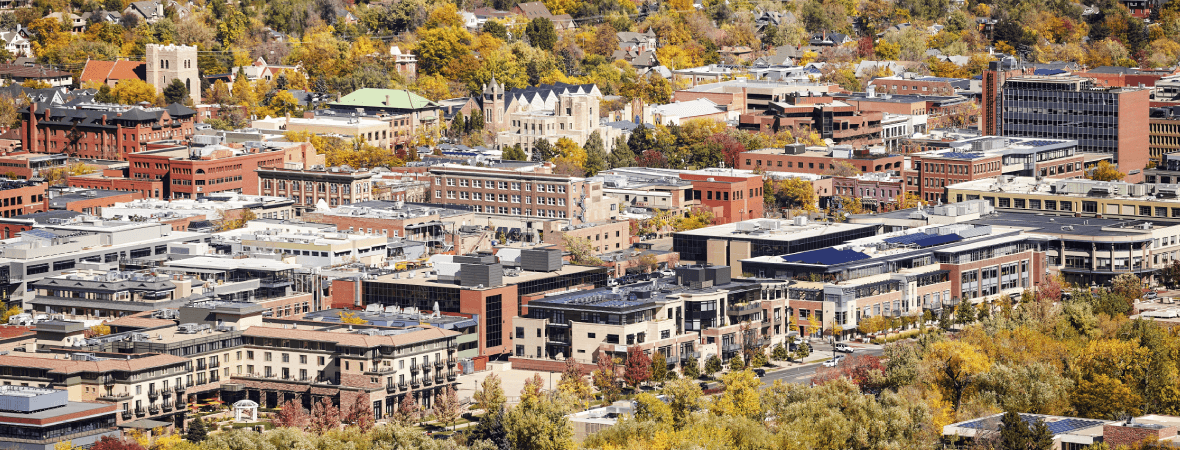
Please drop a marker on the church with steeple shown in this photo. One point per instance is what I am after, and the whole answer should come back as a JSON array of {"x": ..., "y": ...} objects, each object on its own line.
[{"x": 547, "y": 111}]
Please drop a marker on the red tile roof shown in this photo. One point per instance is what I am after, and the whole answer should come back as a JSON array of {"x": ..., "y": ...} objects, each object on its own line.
[
  {"x": 102, "y": 71},
  {"x": 75, "y": 366},
  {"x": 350, "y": 339}
]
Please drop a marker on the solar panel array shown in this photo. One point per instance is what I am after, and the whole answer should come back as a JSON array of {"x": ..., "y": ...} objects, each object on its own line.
[
  {"x": 961, "y": 155},
  {"x": 923, "y": 239},
  {"x": 1062, "y": 426},
  {"x": 604, "y": 299},
  {"x": 825, "y": 256},
  {"x": 43, "y": 234},
  {"x": 1040, "y": 143}
]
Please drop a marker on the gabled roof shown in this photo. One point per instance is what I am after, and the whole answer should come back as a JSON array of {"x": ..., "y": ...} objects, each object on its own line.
[
  {"x": 102, "y": 71},
  {"x": 534, "y": 10},
  {"x": 179, "y": 110}
]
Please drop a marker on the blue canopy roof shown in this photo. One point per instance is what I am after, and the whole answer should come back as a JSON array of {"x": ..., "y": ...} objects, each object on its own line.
[{"x": 924, "y": 240}]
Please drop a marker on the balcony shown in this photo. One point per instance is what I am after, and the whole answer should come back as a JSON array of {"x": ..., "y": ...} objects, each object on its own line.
[
  {"x": 391, "y": 388},
  {"x": 673, "y": 360},
  {"x": 746, "y": 308},
  {"x": 438, "y": 378},
  {"x": 154, "y": 409},
  {"x": 427, "y": 381},
  {"x": 108, "y": 380},
  {"x": 415, "y": 383},
  {"x": 112, "y": 397},
  {"x": 438, "y": 364},
  {"x": 126, "y": 415},
  {"x": 425, "y": 366},
  {"x": 403, "y": 386},
  {"x": 452, "y": 362},
  {"x": 693, "y": 354},
  {"x": 179, "y": 388},
  {"x": 380, "y": 370},
  {"x": 451, "y": 376},
  {"x": 730, "y": 347},
  {"x": 154, "y": 395},
  {"x": 414, "y": 369},
  {"x": 167, "y": 406},
  {"x": 201, "y": 366},
  {"x": 140, "y": 412},
  {"x": 214, "y": 365}
]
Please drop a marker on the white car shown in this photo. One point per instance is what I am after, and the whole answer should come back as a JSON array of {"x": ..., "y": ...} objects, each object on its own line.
[
  {"x": 833, "y": 362},
  {"x": 844, "y": 348},
  {"x": 668, "y": 273}
]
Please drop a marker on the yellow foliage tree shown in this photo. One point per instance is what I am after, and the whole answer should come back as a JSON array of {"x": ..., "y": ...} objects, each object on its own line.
[
  {"x": 12, "y": 310},
  {"x": 956, "y": 366},
  {"x": 908, "y": 200},
  {"x": 132, "y": 91},
  {"x": 100, "y": 330},
  {"x": 1106, "y": 172},
  {"x": 570, "y": 152},
  {"x": 741, "y": 397},
  {"x": 351, "y": 318}
]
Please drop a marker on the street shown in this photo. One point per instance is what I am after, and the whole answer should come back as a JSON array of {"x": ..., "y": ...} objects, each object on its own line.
[{"x": 801, "y": 374}]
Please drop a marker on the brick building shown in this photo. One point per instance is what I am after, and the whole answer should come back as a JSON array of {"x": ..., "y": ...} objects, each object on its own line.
[
  {"x": 428, "y": 223},
  {"x": 603, "y": 237},
  {"x": 1112, "y": 121},
  {"x": 522, "y": 194},
  {"x": 195, "y": 171},
  {"x": 88, "y": 201},
  {"x": 876, "y": 190},
  {"x": 731, "y": 198},
  {"x": 944, "y": 111},
  {"x": 335, "y": 186},
  {"x": 930, "y": 172},
  {"x": 1164, "y": 129},
  {"x": 839, "y": 121},
  {"x": 21, "y": 197},
  {"x": 797, "y": 158},
  {"x": 101, "y": 131},
  {"x": 23, "y": 165}
]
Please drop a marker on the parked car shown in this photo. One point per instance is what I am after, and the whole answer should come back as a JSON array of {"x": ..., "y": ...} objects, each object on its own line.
[
  {"x": 1150, "y": 295},
  {"x": 668, "y": 273},
  {"x": 833, "y": 362},
  {"x": 843, "y": 348},
  {"x": 760, "y": 372}
]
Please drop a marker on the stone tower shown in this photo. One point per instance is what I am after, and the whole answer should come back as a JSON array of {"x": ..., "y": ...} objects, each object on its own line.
[
  {"x": 493, "y": 106},
  {"x": 169, "y": 62}
]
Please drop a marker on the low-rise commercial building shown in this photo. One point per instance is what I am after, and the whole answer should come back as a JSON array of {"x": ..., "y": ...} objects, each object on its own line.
[
  {"x": 730, "y": 244},
  {"x": 800, "y": 159},
  {"x": 334, "y": 186},
  {"x": 40, "y": 419},
  {"x": 832, "y": 119},
  {"x": 987, "y": 157}
]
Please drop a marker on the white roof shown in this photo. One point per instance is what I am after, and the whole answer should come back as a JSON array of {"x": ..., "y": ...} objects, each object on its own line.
[{"x": 691, "y": 108}]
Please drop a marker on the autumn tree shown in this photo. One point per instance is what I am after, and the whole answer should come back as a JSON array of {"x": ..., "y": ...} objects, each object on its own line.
[
  {"x": 324, "y": 417},
  {"x": 581, "y": 250},
  {"x": 638, "y": 367},
  {"x": 1106, "y": 172},
  {"x": 659, "y": 368},
  {"x": 956, "y": 367},
  {"x": 291, "y": 415},
  {"x": 447, "y": 408},
  {"x": 360, "y": 414},
  {"x": 132, "y": 91},
  {"x": 490, "y": 395},
  {"x": 690, "y": 367},
  {"x": 407, "y": 411},
  {"x": 842, "y": 169},
  {"x": 573, "y": 381},
  {"x": 606, "y": 377},
  {"x": 351, "y": 318},
  {"x": 741, "y": 396}
]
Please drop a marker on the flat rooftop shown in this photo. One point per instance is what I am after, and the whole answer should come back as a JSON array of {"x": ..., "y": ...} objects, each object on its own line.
[
  {"x": 787, "y": 230},
  {"x": 420, "y": 277},
  {"x": 1067, "y": 225},
  {"x": 225, "y": 264}
]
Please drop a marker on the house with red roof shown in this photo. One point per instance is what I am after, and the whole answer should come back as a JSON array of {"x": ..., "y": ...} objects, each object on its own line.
[{"x": 110, "y": 72}]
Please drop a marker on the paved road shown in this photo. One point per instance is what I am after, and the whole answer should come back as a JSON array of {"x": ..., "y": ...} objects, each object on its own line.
[{"x": 802, "y": 374}]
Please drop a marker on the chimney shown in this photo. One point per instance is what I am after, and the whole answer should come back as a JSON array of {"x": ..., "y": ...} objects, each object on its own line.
[{"x": 388, "y": 100}]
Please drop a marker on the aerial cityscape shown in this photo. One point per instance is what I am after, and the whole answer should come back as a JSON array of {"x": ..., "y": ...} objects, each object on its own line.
[{"x": 596, "y": 224}]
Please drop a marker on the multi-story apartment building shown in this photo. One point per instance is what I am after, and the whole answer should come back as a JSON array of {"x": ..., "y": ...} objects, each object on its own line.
[
  {"x": 942, "y": 110},
  {"x": 905, "y": 272},
  {"x": 102, "y": 131},
  {"x": 522, "y": 194},
  {"x": 194, "y": 172},
  {"x": 1079, "y": 197},
  {"x": 749, "y": 96},
  {"x": 731, "y": 195},
  {"x": 833, "y": 119},
  {"x": 381, "y": 132},
  {"x": 797, "y": 158},
  {"x": 1110, "y": 121},
  {"x": 91, "y": 294},
  {"x": 987, "y": 157},
  {"x": 141, "y": 385},
  {"x": 335, "y": 186},
  {"x": 1083, "y": 249},
  {"x": 476, "y": 286}
]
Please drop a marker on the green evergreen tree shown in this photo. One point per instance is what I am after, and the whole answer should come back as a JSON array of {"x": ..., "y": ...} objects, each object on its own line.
[
  {"x": 197, "y": 431},
  {"x": 595, "y": 154},
  {"x": 712, "y": 366},
  {"x": 621, "y": 155},
  {"x": 514, "y": 153},
  {"x": 691, "y": 368},
  {"x": 542, "y": 150}
]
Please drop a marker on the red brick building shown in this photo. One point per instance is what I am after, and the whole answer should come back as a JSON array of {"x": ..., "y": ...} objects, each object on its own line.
[
  {"x": 731, "y": 198},
  {"x": 24, "y": 165},
  {"x": 90, "y": 201},
  {"x": 843, "y": 123},
  {"x": 108, "y": 132},
  {"x": 798, "y": 159},
  {"x": 21, "y": 197},
  {"x": 988, "y": 157},
  {"x": 180, "y": 172}
]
